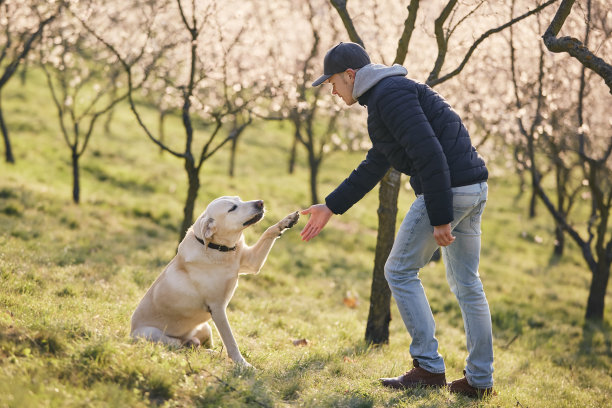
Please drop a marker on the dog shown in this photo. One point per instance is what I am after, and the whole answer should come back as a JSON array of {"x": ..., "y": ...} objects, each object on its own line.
[{"x": 199, "y": 282}]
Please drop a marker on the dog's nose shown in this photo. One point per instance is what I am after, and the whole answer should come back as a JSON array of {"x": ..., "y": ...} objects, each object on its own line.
[{"x": 259, "y": 204}]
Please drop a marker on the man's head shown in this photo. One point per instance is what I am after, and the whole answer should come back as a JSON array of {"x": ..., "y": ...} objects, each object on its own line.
[{"x": 339, "y": 68}]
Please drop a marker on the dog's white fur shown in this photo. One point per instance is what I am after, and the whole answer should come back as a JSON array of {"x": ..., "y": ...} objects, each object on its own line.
[{"x": 199, "y": 282}]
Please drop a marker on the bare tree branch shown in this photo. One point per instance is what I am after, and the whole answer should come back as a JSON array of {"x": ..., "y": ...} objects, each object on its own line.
[
  {"x": 483, "y": 37},
  {"x": 340, "y": 6},
  {"x": 573, "y": 46},
  {"x": 57, "y": 104},
  {"x": 131, "y": 87},
  {"x": 12, "y": 66},
  {"x": 452, "y": 29},
  {"x": 95, "y": 116},
  {"x": 192, "y": 30},
  {"x": 441, "y": 39},
  {"x": 404, "y": 41}
]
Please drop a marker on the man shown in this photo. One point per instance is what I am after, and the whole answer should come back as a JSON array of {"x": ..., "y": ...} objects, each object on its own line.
[{"x": 413, "y": 129}]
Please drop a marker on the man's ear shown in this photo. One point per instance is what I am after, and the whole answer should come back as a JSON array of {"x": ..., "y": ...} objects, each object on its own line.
[
  {"x": 209, "y": 228},
  {"x": 351, "y": 74}
]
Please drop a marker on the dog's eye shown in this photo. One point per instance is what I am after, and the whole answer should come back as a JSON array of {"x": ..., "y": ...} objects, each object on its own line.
[{"x": 233, "y": 208}]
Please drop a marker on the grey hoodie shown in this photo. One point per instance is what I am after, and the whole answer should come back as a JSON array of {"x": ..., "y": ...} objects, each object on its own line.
[{"x": 371, "y": 74}]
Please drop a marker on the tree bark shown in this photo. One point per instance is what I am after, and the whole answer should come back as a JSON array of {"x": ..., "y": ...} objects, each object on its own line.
[
  {"x": 314, "y": 172},
  {"x": 293, "y": 154},
  {"x": 108, "y": 121},
  {"x": 532, "y": 203},
  {"x": 597, "y": 293},
  {"x": 559, "y": 241},
  {"x": 76, "y": 182},
  {"x": 232, "y": 161},
  {"x": 340, "y": 6},
  {"x": 8, "y": 151},
  {"x": 377, "y": 327},
  {"x": 162, "y": 131},
  {"x": 192, "y": 194},
  {"x": 573, "y": 46},
  {"x": 559, "y": 245}
]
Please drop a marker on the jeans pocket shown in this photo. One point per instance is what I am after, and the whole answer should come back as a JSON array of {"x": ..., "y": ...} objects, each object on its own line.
[{"x": 465, "y": 200}]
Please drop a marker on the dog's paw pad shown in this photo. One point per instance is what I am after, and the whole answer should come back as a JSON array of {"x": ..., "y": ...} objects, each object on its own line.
[
  {"x": 293, "y": 218},
  {"x": 290, "y": 220}
]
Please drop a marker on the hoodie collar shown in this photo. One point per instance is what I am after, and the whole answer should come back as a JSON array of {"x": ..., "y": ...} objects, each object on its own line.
[{"x": 371, "y": 74}]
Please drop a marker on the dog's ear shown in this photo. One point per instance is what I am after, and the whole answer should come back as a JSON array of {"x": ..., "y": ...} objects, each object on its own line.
[{"x": 209, "y": 228}]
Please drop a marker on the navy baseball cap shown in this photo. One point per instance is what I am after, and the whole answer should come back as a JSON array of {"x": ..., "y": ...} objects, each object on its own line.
[{"x": 342, "y": 57}]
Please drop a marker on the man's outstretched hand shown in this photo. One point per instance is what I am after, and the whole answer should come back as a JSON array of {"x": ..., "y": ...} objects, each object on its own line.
[{"x": 319, "y": 215}]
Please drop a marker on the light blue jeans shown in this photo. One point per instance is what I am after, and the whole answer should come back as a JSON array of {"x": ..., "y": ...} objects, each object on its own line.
[{"x": 412, "y": 250}]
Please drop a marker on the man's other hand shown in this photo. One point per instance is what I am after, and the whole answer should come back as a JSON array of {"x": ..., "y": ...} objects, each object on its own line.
[
  {"x": 319, "y": 215},
  {"x": 443, "y": 236}
]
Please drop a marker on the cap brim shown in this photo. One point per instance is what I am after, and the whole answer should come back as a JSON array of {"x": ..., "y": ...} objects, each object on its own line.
[{"x": 321, "y": 79}]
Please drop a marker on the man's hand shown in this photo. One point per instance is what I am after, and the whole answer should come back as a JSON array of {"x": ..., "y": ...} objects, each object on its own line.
[
  {"x": 319, "y": 215},
  {"x": 443, "y": 236}
]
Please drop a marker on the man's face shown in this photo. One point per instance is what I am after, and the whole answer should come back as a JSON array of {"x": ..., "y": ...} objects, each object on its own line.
[{"x": 342, "y": 85}]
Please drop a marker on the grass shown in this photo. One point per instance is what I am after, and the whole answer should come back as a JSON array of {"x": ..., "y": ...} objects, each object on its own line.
[{"x": 70, "y": 277}]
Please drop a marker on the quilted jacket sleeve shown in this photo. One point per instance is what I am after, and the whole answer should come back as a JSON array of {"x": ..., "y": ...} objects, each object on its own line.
[
  {"x": 358, "y": 183},
  {"x": 400, "y": 110}
]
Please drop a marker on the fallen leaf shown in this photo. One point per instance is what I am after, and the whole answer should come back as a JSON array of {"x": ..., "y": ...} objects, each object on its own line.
[{"x": 350, "y": 300}]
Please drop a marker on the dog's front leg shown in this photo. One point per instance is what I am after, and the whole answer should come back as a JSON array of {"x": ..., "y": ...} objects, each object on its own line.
[
  {"x": 219, "y": 316},
  {"x": 254, "y": 257}
]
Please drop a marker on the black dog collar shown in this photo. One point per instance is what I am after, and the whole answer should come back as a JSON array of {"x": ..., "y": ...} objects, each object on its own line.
[{"x": 218, "y": 247}]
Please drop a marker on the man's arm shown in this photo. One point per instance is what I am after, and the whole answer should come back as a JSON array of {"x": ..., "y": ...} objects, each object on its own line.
[
  {"x": 359, "y": 183},
  {"x": 361, "y": 180}
]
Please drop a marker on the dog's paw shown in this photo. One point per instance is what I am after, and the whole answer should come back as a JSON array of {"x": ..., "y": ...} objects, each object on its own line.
[
  {"x": 289, "y": 221},
  {"x": 193, "y": 342},
  {"x": 244, "y": 365}
]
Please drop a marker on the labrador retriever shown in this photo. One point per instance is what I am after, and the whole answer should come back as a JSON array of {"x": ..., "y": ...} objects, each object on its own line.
[{"x": 199, "y": 282}]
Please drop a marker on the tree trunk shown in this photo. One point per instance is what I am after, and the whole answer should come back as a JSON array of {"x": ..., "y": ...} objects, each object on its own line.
[
  {"x": 192, "y": 194},
  {"x": 107, "y": 122},
  {"x": 559, "y": 241},
  {"x": 377, "y": 328},
  {"x": 232, "y": 163},
  {"x": 76, "y": 182},
  {"x": 560, "y": 181},
  {"x": 314, "y": 171},
  {"x": 532, "y": 203},
  {"x": 597, "y": 293},
  {"x": 292, "y": 155},
  {"x": 161, "y": 131},
  {"x": 23, "y": 75},
  {"x": 7, "y": 142}
]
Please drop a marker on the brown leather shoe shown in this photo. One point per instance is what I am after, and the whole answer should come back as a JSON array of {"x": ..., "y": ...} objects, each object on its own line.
[
  {"x": 462, "y": 387},
  {"x": 417, "y": 377}
]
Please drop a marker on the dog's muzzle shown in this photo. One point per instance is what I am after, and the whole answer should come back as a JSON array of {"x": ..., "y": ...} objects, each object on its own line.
[{"x": 253, "y": 220}]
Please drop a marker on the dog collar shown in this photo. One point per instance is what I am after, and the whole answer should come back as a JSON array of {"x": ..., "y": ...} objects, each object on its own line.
[{"x": 218, "y": 247}]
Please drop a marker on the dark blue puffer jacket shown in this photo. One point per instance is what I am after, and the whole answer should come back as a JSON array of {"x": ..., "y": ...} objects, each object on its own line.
[{"x": 413, "y": 129}]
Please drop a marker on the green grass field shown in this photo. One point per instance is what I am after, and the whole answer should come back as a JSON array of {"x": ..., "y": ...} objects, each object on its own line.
[{"x": 70, "y": 277}]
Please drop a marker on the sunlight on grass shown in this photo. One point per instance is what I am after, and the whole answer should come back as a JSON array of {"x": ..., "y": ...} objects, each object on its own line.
[{"x": 70, "y": 277}]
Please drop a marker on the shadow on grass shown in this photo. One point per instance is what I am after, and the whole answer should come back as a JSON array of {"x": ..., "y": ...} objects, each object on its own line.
[
  {"x": 239, "y": 387},
  {"x": 595, "y": 348},
  {"x": 300, "y": 376}
]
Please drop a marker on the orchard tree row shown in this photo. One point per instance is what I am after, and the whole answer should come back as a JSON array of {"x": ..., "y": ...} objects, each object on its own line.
[{"x": 532, "y": 80}]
